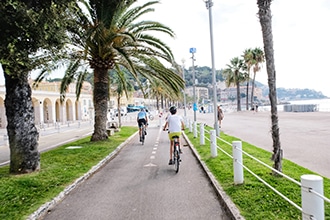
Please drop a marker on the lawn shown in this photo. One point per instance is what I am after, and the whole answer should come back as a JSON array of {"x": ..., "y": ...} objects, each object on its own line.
[
  {"x": 253, "y": 198},
  {"x": 22, "y": 195}
]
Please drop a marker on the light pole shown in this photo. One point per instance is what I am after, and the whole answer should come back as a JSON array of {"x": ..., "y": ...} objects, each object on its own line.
[
  {"x": 209, "y": 5},
  {"x": 184, "y": 92},
  {"x": 193, "y": 51},
  {"x": 148, "y": 84}
]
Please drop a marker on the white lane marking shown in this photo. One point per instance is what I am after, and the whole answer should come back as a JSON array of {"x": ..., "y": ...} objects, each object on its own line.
[
  {"x": 150, "y": 165},
  {"x": 152, "y": 157}
]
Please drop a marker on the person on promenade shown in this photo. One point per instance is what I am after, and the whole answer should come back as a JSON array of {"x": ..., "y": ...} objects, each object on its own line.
[
  {"x": 142, "y": 119},
  {"x": 175, "y": 126},
  {"x": 220, "y": 115}
]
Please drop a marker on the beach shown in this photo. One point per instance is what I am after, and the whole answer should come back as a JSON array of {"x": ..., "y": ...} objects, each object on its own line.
[{"x": 304, "y": 136}]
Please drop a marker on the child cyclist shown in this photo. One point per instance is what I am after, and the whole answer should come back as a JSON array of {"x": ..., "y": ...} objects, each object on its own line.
[{"x": 175, "y": 126}]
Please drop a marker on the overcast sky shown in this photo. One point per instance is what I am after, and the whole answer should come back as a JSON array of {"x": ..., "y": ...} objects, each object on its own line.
[{"x": 301, "y": 36}]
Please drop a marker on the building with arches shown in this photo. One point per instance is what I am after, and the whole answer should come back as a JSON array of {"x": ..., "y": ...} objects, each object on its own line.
[{"x": 48, "y": 108}]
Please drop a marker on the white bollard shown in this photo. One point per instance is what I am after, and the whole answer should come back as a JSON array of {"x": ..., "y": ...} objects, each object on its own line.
[
  {"x": 238, "y": 160},
  {"x": 160, "y": 122},
  {"x": 214, "y": 152},
  {"x": 195, "y": 129},
  {"x": 202, "y": 135},
  {"x": 190, "y": 126},
  {"x": 312, "y": 205},
  {"x": 185, "y": 120}
]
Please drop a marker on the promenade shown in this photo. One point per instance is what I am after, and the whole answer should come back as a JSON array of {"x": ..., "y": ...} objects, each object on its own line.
[{"x": 304, "y": 136}]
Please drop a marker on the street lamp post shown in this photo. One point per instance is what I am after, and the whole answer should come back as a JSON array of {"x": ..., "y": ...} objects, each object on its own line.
[
  {"x": 193, "y": 51},
  {"x": 184, "y": 92},
  {"x": 209, "y": 5}
]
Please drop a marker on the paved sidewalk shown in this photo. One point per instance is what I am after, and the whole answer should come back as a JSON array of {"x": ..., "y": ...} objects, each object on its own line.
[{"x": 50, "y": 137}]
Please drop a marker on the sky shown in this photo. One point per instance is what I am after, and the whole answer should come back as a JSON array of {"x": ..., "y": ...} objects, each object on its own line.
[{"x": 301, "y": 37}]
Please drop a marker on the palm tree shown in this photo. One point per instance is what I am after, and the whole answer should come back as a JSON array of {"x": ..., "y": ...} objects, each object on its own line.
[
  {"x": 248, "y": 59},
  {"x": 122, "y": 85},
  {"x": 235, "y": 74},
  {"x": 265, "y": 17},
  {"x": 111, "y": 34},
  {"x": 258, "y": 58}
]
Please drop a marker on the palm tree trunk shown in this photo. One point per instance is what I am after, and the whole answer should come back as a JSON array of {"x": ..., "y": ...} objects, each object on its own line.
[
  {"x": 119, "y": 111},
  {"x": 22, "y": 132},
  {"x": 238, "y": 97},
  {"x": 247, "y": 94},
  {"x": 265, "y": 17},
  {"x": 157, "y": 102},
  {"x": 252, "y": 90},
  {"x": 100, "y": 99}
]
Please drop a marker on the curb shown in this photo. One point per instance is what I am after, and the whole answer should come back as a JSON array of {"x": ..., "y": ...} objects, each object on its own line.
[
  {"x": 42, "y": 211},
  {"x": 229, "y": 207}
]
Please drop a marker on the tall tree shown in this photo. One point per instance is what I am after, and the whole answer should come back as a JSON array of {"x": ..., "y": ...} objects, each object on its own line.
[
  {"x": 112, "y": 33},
  {"x": 265, "y": 17},
  {"x": 32, "y": 33},
  {"x": 235, "y": 74},
  {"x": 258, "y": 58},
  {"x": 122, "y": 86}
]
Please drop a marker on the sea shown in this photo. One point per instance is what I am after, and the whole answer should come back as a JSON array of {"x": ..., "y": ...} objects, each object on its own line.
[{"x": 321, "y": 105}]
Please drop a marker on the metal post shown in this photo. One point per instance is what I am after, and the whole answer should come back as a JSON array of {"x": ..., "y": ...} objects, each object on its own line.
[
  {"x": 184, "y": 91},
  {"x": 190, "y": 126},
  {"x": 238, "y": 160},
  {"x": 195, "y": 129},
  {"x": 193, "y": 51},
  {"x": 312, "y": 205},
  {"x": 209, "y": 5},
  {"x": 214, "y": 152},
  {"x": 202, "y": 135}
]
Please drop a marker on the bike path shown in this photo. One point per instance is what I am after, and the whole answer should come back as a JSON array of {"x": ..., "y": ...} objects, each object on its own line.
[{"x": 139, "y": 184}]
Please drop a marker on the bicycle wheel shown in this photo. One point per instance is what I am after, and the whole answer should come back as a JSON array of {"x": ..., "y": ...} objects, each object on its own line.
[
  {"x": 142, "y": 135},
  {"x": 176, "y": 160}
]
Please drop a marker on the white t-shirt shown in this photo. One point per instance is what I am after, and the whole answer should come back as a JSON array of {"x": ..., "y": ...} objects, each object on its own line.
[{"x": 174, "y": 123}]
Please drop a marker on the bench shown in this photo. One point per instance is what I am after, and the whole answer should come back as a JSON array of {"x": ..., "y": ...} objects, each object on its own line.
[{"x": 112, "y": 127}]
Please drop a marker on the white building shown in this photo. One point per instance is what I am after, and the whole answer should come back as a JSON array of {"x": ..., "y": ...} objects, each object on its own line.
[{"x": 48, "y": 108}]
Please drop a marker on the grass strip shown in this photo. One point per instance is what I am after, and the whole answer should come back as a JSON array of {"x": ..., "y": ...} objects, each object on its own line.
[
  {"x": 21, "y": 195},
  {"x": 254, "y": 199}
]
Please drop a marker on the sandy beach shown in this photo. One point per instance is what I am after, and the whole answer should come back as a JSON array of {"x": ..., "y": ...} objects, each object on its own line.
[{"x": 304, "y": 136}]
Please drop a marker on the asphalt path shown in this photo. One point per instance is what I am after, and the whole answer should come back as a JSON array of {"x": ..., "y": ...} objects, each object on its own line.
[
  {"x": 304, "y": 136},
  {"x": 139, "y": 184}
]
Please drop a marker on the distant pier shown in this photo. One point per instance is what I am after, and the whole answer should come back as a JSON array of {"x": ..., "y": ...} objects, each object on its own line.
[{"x": 301, "y": 108}]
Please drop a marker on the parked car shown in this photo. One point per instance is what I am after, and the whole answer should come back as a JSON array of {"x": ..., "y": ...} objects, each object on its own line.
[{"x": 123, "y": 111}]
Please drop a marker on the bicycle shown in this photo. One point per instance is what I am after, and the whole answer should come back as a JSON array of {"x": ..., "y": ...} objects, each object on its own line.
[
  {"x": 176, "y": 153},
  {"x": 143, "y": 133}
]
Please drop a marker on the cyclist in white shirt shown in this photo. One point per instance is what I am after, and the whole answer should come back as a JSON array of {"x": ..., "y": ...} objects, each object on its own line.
[{"x": 175, "y": 126}]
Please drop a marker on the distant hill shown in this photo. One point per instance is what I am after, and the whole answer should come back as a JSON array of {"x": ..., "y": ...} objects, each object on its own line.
[
  {"x": 284, "y": 94},
  {"x": 203, "y": 75}
]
